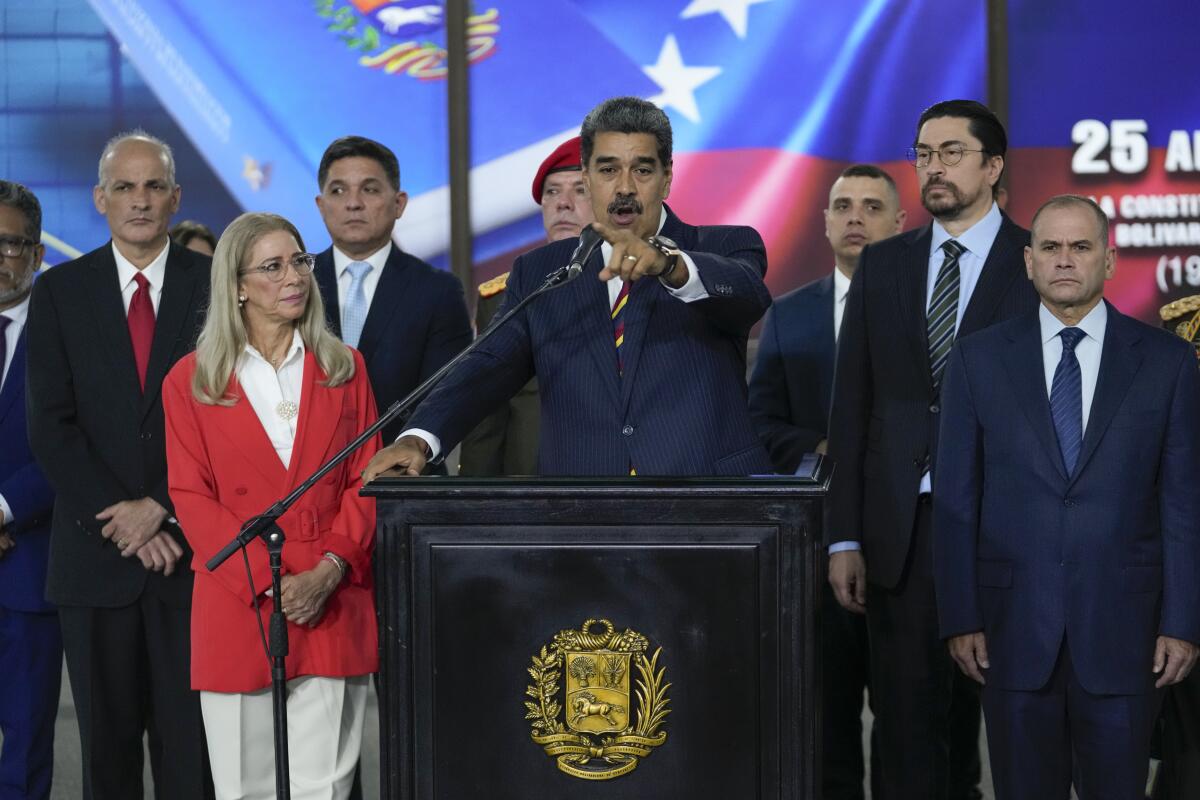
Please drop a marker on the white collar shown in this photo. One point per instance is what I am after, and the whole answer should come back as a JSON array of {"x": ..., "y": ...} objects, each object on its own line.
[
  {"x": 341, "y": 261},
  {"x": 154, "y": 272},
  {"x": 977, "y": 239},
  {"x": 1093, "y": 324},
  {"x": 17, "y": 313},
  {"x": 296, "y": 350},
  {"x": 841, "y": 285}
]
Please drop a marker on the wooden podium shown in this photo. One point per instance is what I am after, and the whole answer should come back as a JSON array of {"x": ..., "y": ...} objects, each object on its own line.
[{"x": 695, "y": 679}]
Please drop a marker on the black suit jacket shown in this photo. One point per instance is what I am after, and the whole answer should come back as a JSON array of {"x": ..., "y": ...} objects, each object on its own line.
[
  {"x": 97, "y": 437},
  {"x": 679, "y": 408},
  {"x": 792, "y": 383},
  {"x": 885, "y": 415},
  {"x": 416, "y": 323}
]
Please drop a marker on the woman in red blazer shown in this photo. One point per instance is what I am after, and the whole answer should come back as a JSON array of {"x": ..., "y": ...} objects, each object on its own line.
[{"x": 266, "y": 398}]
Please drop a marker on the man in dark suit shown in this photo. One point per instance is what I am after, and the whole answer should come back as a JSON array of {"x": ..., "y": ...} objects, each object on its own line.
[
  {"x": 790, "y": 392},
  {"x": 912, "y": 294},
  {"x": 30, "y": 641},
  {"x": 1067, "y": 522},
  {"x": 641, "y": 360},
  {"x": 104, "y": 330},
  {"x": 506, "y": 442},
  {"x": 406, "y": 318}
]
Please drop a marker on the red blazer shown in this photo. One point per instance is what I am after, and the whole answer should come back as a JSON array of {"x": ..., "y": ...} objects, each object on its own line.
[{"x": 222, "y": 470}]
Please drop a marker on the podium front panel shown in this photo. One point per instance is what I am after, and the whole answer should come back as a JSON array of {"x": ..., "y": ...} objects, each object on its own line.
[{"x": 719, "y": 578}]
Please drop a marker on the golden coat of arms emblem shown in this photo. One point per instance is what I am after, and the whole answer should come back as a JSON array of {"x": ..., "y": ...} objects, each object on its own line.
[{"x": 583, "y": 694}]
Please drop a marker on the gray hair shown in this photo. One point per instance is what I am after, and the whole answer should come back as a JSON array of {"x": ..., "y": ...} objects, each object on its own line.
[
  {"x": 1069, "y": 200},
  {"x": 14, "y": 195},
  {"x": 223, "y": 337},
  {"x": 140, "y": 135},
  {"x": 626, "y": 115}
]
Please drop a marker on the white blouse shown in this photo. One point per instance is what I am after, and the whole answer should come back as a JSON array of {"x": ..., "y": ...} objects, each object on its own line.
[{"x": 274, "y": 394}]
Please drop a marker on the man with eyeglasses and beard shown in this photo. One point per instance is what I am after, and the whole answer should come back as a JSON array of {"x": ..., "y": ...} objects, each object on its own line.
[
  {"x": 30, "y": 641},
  {"x": 641, "y": 360},
  {"x": 911, "y": 297}
]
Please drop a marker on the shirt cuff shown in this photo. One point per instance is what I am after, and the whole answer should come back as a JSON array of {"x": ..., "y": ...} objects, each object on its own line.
[
  {"x": 694, "y": 289},
  {"x": 926, "y": 484},
  {"x": 6, "y": 515},
  {"x": 842, "y": 547},
  {"x": 435, "y": 444}
]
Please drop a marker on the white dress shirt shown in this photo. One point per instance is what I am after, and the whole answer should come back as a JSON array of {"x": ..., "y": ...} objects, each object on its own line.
[
  {"x": 265, "y": 388},
  {"x": 17, "y": 314},
  {"x": 341, "y": 264},
  {"x": 841, "y": 287},
  {"x": 155, "y": 273},
  {"x": 691, "y": 291},
  {"x": 1087, "y": 350}
]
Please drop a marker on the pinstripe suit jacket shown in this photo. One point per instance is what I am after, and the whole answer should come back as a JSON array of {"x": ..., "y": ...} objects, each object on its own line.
[{"x": 679, "y": 408}]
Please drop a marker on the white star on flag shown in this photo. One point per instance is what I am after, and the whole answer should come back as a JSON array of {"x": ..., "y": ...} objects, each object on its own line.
[
  {"x": 678, "y": 82},
  {"x": 735, "y": 12}
]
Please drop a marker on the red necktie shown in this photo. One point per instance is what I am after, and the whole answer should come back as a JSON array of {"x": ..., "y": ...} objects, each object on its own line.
[{"x": 141, "y": 326}]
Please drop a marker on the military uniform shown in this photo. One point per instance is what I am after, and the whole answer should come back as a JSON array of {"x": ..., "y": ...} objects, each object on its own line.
[{"x": 506, "y": 442}]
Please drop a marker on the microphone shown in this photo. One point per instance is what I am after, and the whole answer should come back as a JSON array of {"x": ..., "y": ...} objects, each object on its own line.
[{"x": 588, "y": 239}]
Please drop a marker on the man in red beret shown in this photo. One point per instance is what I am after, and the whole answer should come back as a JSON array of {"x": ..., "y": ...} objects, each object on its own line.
[{"x": 506, "y": 442}]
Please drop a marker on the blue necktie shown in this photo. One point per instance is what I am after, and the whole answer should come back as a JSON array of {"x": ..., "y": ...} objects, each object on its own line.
[
  {"x": 1066, "y": 400},
  {"x": 355, "y": 315}
]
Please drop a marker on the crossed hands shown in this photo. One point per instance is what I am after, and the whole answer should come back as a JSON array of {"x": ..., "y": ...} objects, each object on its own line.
[{"x": 135, "y": 527}]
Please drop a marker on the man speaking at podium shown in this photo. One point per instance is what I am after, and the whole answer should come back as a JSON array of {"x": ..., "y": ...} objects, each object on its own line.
[{"x": 642, "y": 359}]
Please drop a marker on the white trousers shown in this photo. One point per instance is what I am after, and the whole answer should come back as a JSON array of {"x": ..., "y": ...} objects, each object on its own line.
[{"x": 325, "y": 724}]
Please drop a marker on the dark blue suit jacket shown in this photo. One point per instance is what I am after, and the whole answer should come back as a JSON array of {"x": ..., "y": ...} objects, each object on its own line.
[
  {"x": 417, "y": 322},
  {"x": 23, "y": 570},
  {"x": 792, "y": 382},
  {"x": 1108, "y": 557},
  {"x": 679, "y": 409}
]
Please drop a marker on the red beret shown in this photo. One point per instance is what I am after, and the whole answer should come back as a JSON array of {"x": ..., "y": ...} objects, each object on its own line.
[{"x": 565, "y": 156}]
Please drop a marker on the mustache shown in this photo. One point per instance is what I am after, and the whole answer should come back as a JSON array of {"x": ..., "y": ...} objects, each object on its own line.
[
  {"x": 625, "y": 204},
  {"x": 935, "y": 181}
]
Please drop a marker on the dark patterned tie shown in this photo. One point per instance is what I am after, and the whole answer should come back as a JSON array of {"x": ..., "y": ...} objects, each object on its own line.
[
  {"x": 943, "y": 312},
  {"x": 618, "y": 318},
  {"x": 1066, "y": 399},
  {"x": 3, "y": 346}
]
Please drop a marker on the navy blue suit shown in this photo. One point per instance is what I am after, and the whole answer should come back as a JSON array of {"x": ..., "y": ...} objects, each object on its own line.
[
  {"x": 417, "y": 322},
  {"x": 680, "y": 407},
  {"x": 30, "y": 641},
  {"x": 1070, "y": 577},
  {"x": 792, "y": 382}
]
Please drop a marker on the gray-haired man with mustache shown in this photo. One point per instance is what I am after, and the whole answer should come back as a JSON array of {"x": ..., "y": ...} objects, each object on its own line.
[{"x": 910, "y": 298}]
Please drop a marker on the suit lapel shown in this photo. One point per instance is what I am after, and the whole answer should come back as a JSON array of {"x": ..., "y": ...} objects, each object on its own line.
[
  {"x": 1023, "y": 362},
  {"x": 389, "y": 296},
  {"x": 174, "y": 311},
  {"x": 112, "y": 327},
  {"x": 1120, "y": 360},
  {"x": 994, "y": 280},
  {"x": 16, "y": 377},
  {"x": 598, "y": 325},
  {"x": 912, "y": 280},
  {"x": 327, "y": 283},
  {"x": 826, "y": 341},
  {"x": 247, "y": 434}
]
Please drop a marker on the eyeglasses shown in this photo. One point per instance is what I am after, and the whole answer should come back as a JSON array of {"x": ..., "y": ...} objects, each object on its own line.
[
  {"x": 276, "y": 268},
  {"x": 14, "y": 247},
  {"x": 948, "y": 154}
]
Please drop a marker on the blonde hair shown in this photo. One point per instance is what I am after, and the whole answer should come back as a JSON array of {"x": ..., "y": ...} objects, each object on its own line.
[{"x": 223, "y": 337}]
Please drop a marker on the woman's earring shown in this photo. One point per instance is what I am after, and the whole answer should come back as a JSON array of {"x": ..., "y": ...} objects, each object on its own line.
[{"x": 241, "y": 300}]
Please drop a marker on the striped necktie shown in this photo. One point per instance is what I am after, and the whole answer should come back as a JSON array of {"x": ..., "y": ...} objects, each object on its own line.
[
  {"x": 618, "y": 318},
  {"x": 354, "y": 317},
  {"x": 943, "y": 312},
  {"x": 1066, "y": 399}
]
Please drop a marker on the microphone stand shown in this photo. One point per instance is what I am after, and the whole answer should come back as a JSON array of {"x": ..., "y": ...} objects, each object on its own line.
[{"x": 265, "y": 526}]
